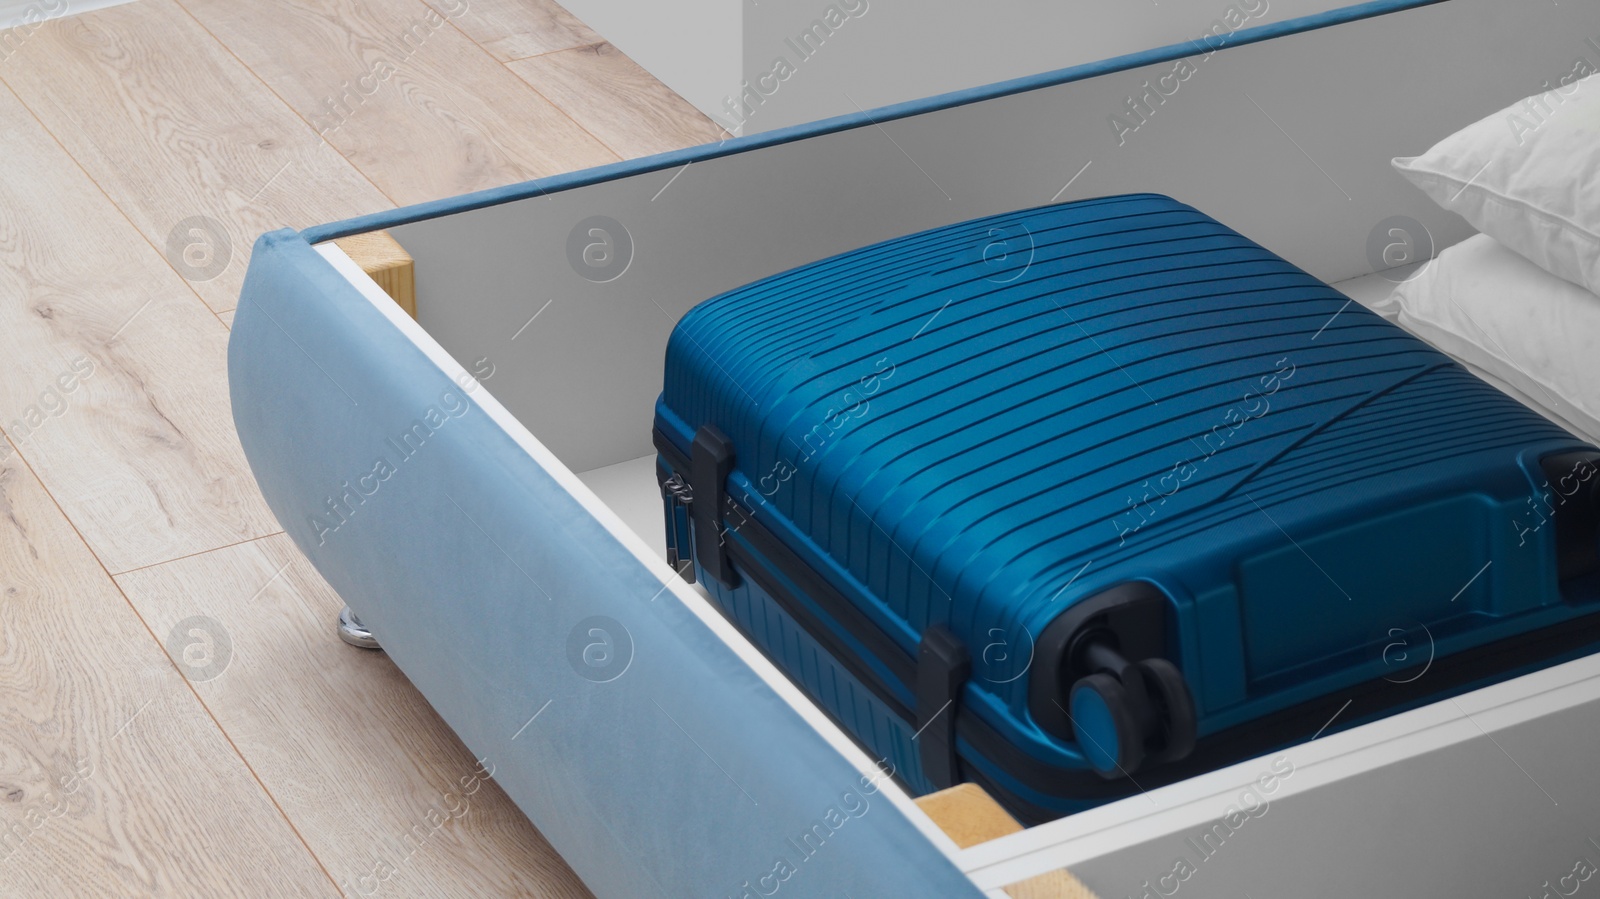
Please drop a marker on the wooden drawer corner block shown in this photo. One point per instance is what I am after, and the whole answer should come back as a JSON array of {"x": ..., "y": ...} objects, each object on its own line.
[
  {"x": 969, "y": 816},
  {"x": 387, "y": 263}
]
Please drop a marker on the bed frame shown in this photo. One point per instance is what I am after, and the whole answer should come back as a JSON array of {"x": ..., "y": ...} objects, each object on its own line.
[{"x": 475, "y": 482}]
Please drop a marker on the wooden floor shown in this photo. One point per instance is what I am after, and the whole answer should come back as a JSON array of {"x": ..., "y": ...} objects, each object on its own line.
[{"x": 177, "y": 716}]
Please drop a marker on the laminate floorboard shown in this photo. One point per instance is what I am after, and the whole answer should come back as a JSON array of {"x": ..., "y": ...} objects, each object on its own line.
[
  {"x": 365, "y": 769},
  {"x": 115, "y": 386},
  {"x": 195, "y": 149},
  {"x": 617, "y": 101},
  {"x": 409, "y": 99},
  {"x": 514, "y": 29},
  {"x": 114, "y": 780}
]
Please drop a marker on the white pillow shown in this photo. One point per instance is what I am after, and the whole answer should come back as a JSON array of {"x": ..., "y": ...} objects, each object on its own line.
[
  {"x": 1528, "y": 176},
  {"x": 1496, "y": 311}
]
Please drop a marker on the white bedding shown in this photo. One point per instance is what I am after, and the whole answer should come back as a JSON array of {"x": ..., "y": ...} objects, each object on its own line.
[{"x": 1378, "y": 293}]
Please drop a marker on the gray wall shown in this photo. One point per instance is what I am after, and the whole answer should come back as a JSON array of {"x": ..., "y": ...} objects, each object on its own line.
[
  {"x": 723, "y": 56},
  {"x": 891, "y": 51}
]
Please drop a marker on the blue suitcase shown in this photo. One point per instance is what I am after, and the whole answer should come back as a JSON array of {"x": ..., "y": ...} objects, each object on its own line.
[{"x": 1087, "y": 498}]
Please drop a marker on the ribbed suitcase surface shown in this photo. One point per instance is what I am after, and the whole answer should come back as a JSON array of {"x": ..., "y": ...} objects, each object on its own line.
[{"x": 982, "y": 425}]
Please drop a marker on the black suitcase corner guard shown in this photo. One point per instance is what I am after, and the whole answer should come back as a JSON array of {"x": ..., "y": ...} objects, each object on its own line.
[
  {"x": 710, "y": 462},
  {"x": 943, "y": 665},
  {"x": 1574, "y": 503}
]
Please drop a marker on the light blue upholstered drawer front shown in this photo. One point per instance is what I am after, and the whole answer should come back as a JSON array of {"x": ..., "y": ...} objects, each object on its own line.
[{"x": 660, "y": 763}]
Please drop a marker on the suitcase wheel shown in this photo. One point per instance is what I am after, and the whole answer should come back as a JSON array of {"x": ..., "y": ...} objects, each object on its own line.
[
  {"x": 1105, "y": 683},
  {"x": 1106, "y": 728},
  {"x": 1125, "y": 714},
  {"x": 1175, "y": 707}
]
